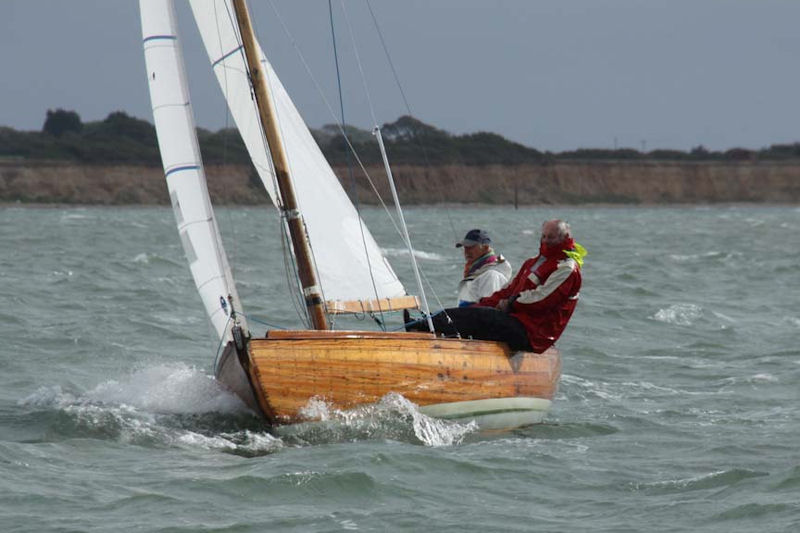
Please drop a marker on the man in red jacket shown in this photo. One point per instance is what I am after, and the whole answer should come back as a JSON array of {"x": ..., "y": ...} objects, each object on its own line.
[{"x": 532, "y": 310}]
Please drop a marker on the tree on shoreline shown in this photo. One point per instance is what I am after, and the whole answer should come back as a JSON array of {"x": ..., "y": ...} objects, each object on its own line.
[
  {"x": 120, "y": 138},
  {"x": 59, "y": 122}
]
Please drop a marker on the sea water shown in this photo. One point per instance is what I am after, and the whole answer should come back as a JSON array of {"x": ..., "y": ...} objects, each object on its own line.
[{"x": 677, "y": 409}]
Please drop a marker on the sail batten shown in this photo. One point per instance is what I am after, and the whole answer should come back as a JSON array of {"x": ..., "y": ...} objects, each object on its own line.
[
  {"x": 226, "y": 56},
  {"x": 347, "y": 262}
]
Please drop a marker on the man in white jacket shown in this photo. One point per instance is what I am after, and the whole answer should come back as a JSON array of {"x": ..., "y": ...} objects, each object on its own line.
[{"x": 484, "y": 271}]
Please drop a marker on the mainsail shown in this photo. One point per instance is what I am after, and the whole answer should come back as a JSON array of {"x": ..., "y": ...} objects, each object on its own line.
[
  {"x": 349, "y": 263},
  {"x": 183, "y": 167}
]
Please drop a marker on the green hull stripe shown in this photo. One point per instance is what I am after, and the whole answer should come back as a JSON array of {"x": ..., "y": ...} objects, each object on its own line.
[{"x": 474, "y": 414}]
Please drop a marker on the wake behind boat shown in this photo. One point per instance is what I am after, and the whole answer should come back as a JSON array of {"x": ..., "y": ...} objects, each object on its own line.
[{"x": 279, "y": 374}]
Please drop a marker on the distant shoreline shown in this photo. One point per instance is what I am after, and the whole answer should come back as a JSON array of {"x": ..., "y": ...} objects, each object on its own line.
[
  {"x": 44, "y": 206},
  {"x": 563, "y": 183}
]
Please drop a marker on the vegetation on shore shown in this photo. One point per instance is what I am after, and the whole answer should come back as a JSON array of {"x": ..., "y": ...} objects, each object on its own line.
[
  {"x": 116, "y": 162},
  {"x": 122, "y": 139}
]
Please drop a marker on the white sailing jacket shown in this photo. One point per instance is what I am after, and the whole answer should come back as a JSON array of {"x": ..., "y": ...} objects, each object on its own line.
[{"x": 484, "y": 282}]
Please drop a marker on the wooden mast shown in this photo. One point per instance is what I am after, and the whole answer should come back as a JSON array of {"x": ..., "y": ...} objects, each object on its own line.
[{"x": 297, "y": 232}]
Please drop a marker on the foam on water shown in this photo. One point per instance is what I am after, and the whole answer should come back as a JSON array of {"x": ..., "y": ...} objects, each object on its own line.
[
  {"x": 419, "y": 254},
  {"x": 763, "y": 378},
  {"x": 76, "y": 216},
  {"x": 582, "y": 389},
  {"x": 161, "y": 405},
  {"x": 705, "y": 481},
  {"x": 177, "y": 405},
  {"x": 679, "y": 314},
  {"x": 722, "y": 257},
  {"x": 391, "y": 417},
  {"x": 245, "y": 442},
  {"x": 168, "y": 388},
  {"x": 792, "y": 321}
]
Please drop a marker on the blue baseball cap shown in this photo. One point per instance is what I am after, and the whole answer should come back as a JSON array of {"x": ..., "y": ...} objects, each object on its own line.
[{"x": 473, "y": 238}]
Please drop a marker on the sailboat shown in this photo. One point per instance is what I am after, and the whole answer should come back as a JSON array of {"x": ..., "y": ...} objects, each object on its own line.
[{"x": 280, "y": 373}]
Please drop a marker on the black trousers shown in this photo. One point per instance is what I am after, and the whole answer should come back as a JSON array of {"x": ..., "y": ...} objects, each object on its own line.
[{"x": 483, "y": 323}]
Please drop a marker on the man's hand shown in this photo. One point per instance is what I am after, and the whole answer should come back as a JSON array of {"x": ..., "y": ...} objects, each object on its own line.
[{"x": 502, "y": 305}]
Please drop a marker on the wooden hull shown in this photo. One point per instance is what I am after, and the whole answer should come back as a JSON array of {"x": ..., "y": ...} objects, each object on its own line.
[{"x": 454, "y": 379}]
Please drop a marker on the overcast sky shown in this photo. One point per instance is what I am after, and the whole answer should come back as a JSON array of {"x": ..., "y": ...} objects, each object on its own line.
[{"x": 551, "y": 74}]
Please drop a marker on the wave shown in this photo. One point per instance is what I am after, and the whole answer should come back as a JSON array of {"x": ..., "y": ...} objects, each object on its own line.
[
  {"x": 791, "y": 321},
  {"x": 752, "y": 511},
  {"x": 403, "y": 252},
  {"x": 150, "y": 259},
  {"x": 754, "y": 379},
  {"x": 161, "y": 406},
  {"x": 178, "y": 406},
  {"x": 76, "y": 215},
  {"x": 142, "y": 258},
  {"x": 711, "y": 480},
  {"x": 566, "y": 431},
  {"x": 679, "y": 314},
  {"x": 168, "y": 389},
  {"x": 392, "y": 417},
  {"x": 578, "y": 388},
  {"x": 722, "y": 257}
]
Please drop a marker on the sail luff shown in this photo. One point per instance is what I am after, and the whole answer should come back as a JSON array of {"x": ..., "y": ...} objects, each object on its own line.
[
  {"x": 183, "y": 166},
  {"x": 305, "y": 268}
]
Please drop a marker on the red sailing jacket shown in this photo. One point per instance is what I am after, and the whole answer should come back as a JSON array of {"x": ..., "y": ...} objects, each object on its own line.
[{"x": 544, "y": 294}]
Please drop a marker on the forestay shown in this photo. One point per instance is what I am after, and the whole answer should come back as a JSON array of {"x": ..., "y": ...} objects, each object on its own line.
[
  {"x": 347, "y": 261},
  {"x": 183, "y": 167}
]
